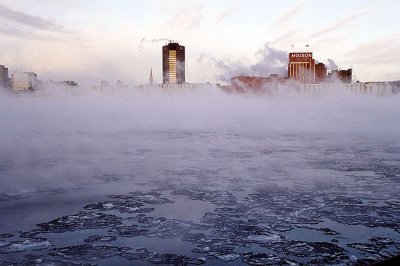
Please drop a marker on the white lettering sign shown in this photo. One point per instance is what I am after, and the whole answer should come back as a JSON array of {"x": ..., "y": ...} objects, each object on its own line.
[{"x": 301, "y": 55}]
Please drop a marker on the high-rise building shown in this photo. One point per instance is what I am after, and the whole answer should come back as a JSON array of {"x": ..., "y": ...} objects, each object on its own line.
[
  {"x": 301, "y": 67},
  {"x": 3, "y": 76},
  {"x": 173, "y": 63}
]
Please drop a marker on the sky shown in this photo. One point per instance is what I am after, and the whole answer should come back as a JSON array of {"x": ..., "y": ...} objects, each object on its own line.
[{"x": 93, "y": 40}]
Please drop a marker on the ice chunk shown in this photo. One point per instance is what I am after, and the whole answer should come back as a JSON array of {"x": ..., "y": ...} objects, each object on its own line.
[
  {"x": 228, "y": 257},
  {"x": 264, "y": 238},
  {"x": 34, "y": 244}
]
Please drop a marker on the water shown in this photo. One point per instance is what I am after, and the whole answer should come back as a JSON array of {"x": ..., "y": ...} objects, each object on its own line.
[{"x": 85, "y": 183}]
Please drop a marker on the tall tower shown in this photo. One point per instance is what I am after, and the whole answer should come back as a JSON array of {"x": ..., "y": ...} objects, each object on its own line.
[
  {"x": 151, "y": 76},
  {"x": 173, "y": 63}
]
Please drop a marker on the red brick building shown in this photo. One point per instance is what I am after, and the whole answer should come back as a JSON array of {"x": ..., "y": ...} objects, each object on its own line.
[
  {"x": 301, "y": 67},
  {"x": 242, "y": 84},
  {"x": 344, "y": 76},
  {"x": 321, "y": 73}
]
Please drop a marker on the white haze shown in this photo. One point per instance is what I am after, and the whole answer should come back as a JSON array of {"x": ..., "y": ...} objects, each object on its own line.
[
  {"x": 331, "y": 65},
  {"x": 66, "y": 128},
  {"x": 202, "y": 110}
]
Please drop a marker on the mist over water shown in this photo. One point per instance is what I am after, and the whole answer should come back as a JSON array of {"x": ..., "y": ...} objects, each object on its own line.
[
  {"x": 201, "y": 110},
  {"x": 63, "y": 151}
]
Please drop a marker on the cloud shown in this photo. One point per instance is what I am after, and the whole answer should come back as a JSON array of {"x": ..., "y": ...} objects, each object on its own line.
[
  {"x": 286, "y": 17},
  {"x": 185, "y": 19},
  {"x": 376, "y": 59},
  {"x": 29, "y": 20},
  {"x": 33, "y": 27},
  {"x": 28, "y": 35},
  {"x": 329, "y": 41},
  {"x": 282, "y": 25},
  {"x": 339, "y": 24},
  {"x": 287, "y": 35},
  {"x": 384, "y": 49},
  {"x": 225, "y": 13}
]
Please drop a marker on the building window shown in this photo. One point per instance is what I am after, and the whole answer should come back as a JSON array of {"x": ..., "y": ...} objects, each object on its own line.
[{"x": 172, "y": 66}]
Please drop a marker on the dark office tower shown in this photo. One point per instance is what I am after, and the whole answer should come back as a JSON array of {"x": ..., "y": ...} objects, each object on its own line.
[{"x": 173, "y": 63}]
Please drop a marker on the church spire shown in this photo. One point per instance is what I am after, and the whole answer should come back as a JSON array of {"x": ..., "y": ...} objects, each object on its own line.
[{"x": 151, "y": 76}]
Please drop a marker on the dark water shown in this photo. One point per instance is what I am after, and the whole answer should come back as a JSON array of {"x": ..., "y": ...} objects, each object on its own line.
[
  {"x": 144, "y": 197},
  {"x": 204, "y": 198}
]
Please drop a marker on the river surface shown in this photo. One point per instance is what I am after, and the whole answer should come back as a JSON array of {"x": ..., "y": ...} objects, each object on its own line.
[{"x": 89, "y": 193}]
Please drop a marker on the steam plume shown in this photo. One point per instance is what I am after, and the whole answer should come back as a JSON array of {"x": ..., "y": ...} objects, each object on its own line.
[{"x": 270, "y": 60}]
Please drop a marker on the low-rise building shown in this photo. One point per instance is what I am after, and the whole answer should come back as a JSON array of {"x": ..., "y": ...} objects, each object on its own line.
[
  {"x": 24, "y": 81},
  {"x": 321, "y": 73},
  {"x": 104, "y": 83},
  {"x": 242, "y": 84},
  {"x": 344, "y": 76}
]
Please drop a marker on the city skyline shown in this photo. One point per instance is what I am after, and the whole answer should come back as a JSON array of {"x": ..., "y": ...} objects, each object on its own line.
[{"x": 89, "y": 40}]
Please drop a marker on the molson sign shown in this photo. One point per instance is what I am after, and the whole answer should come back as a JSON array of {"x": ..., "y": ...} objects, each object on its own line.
[{"x": 300, "y": 57}]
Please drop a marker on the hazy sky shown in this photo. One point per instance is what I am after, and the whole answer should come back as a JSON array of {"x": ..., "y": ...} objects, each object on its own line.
[{"x": 90, "y": 40}]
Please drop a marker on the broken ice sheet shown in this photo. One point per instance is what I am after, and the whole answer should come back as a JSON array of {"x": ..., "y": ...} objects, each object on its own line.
[
  {"x": 152, "y": 197},
  {"x": 97, "y": 238},
  {"x": 378, "y": 245},
  {"x": 121, "y": 206},
  {"x": 76, "y": 222},
  {"x": 265, "y": 259},
  {"x": 87, "y": 252},
  {"x": 33, "y": 244},
  {"x": 217, "y": 197},
  {"x": 255, "y": 223}
]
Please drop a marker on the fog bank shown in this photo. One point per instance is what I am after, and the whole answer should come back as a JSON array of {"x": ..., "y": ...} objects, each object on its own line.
[
  {"x": 202, "y": 110},
  {"x": 62, "y": 140}
]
